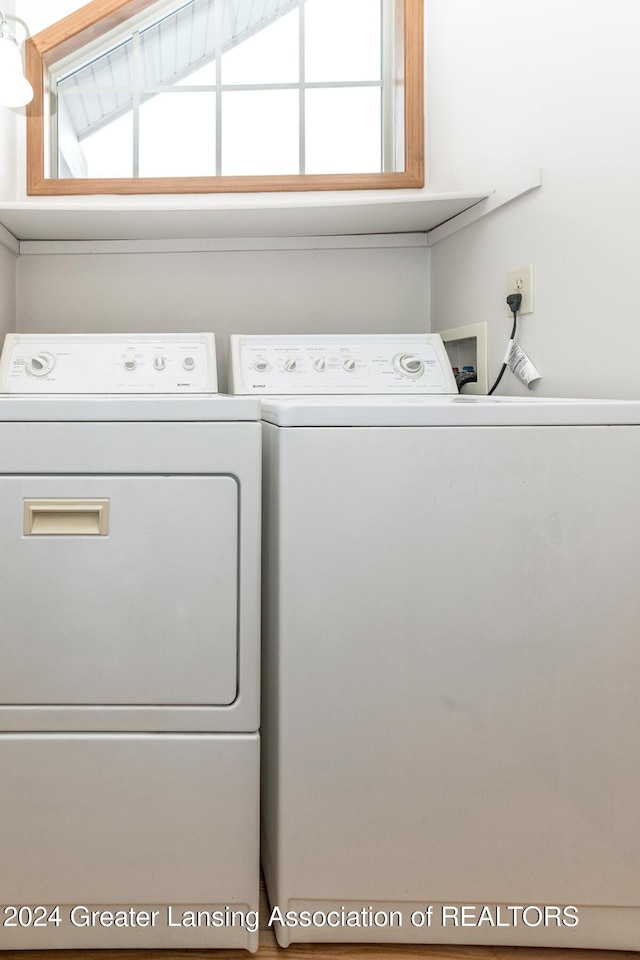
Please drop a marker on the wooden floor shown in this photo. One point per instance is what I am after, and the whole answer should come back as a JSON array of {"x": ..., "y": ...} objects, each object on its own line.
[{"x": 269, "y": 950}]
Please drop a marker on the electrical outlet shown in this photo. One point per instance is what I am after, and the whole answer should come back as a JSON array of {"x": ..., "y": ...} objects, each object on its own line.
[{"x": 521, "y": 281}]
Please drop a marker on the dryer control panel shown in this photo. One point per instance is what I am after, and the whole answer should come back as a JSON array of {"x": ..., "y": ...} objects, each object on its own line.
[
  {"x": 340, "y": 364},
  {"x": 108, "y": 364}
]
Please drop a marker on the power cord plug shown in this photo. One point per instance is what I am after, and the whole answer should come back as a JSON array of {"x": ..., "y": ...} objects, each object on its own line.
[{"x": 514, "y": 301}]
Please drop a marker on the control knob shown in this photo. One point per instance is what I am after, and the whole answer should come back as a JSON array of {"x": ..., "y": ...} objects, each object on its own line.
[
  {"x": 159, "y": 363},
  {"x": 290, "y": 365},
  {"x": 188, "y": 363},
  {"x": 320, "y": 364},
  {"x": 409, "y": 365},
  {"x": 261, "y": 365},
  {"x": 41, "y": 364},
  {"x": 130, "y": 364},
  {"x": 349, "y": 364}
]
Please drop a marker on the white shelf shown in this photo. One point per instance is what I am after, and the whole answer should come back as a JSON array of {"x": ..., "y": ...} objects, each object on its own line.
[
  {"x": 265, "y": 218},
  {"x": 196, "y": 218}
]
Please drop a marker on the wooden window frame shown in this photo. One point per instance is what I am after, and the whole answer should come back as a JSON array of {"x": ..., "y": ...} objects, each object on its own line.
[{"x": 100, "y": 16}]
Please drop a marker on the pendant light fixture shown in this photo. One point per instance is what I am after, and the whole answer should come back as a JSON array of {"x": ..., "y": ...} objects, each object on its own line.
[{"x": 15, "y": 89}]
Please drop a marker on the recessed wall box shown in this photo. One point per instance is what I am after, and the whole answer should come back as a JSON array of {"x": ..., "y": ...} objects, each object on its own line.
[{"x": 466, "y": 346}]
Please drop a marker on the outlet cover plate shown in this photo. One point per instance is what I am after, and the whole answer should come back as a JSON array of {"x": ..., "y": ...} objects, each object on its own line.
[{"x": 521, "y": 281}]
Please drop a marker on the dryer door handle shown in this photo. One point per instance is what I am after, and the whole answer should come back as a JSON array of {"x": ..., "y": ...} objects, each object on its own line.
[{"x": 66, "y": 518}]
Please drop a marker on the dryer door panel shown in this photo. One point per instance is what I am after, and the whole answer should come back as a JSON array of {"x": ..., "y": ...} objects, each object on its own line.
[{"x": 118, "y": 590}]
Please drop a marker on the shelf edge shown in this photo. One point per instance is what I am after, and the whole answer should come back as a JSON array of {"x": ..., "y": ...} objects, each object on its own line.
[{"x": 499, "y": 198}]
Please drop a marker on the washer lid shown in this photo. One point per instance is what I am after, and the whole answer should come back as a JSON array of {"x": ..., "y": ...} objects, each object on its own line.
[{"x": 432, "y": 411}]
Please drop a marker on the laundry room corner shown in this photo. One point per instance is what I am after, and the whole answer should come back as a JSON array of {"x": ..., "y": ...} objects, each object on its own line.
[
  {"x": 7, "y": 291},
  {"x": 9, "y": 120}
]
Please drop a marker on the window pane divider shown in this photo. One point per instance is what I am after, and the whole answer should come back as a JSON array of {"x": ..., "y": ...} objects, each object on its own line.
[
  {"x": 387, "y": 35},
  {"x": 212, "y": 88},
  {"x": 135, "y": 52},
  {"x": 218, "y": 88},
  {"x": 302, "y": 104}
]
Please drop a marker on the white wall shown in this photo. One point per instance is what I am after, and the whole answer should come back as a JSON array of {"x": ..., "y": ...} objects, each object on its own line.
[
  {"x": 9, "y": 120},
  {"x": 7, "y": 292},
  {"x": 8, "y": 139},
  {"x": 519, "y": 84},
  {"x": 8, "y": 146},
  {"x": 280, "y": 291}
]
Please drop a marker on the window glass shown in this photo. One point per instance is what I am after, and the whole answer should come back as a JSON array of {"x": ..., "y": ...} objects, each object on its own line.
[
  {"x": 113, "y": 69},
  {"x": 343, "y": 131},
  {"x": 263, "y": 130},
  {"x": 108, "y": 152},
  {"x": 259, "y": 132},
  {"x": 180, "y": 46},
  {"x": 178, "y": 135},
  {"x": 94, "y": 121},
  {"x": 224, "y": 89},
  {"x": 342, "y": 40},
  {"x": 270, "y": 55}
]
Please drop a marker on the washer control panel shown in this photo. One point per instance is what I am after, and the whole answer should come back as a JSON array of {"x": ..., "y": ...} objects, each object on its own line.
[
  {"x": 336, "y": 364},
  {"x": 108, "y": 363}
]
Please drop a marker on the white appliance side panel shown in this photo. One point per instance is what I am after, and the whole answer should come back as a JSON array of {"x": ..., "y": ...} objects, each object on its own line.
[
  {"x": 451, "y": 618},
  {"x": 146, "y": 614},
  {"x": 111, "y": 822}
]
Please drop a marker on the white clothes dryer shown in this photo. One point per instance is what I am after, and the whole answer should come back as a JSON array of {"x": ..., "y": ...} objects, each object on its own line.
[
  {"x": 451, "y": 721},
  {"x": 129, "y": 646}
]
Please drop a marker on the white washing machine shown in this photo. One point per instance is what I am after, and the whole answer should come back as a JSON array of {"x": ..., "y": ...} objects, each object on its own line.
[
  {"x": 129, "y": 646},
  {"x": 451, "y": 723}
]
